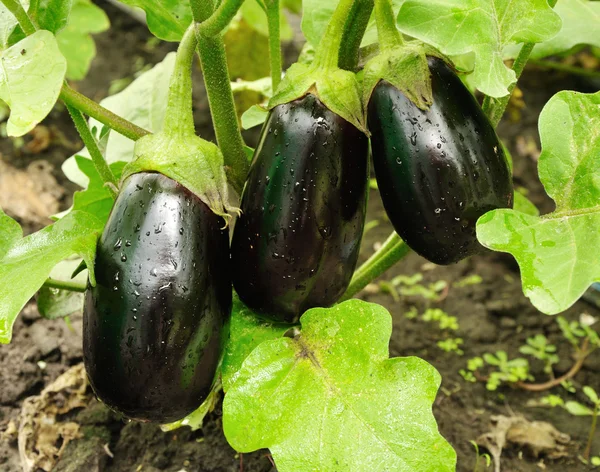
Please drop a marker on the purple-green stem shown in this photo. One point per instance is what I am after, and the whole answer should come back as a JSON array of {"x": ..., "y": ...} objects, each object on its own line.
[
  {"x": 328, "y": 51},
  {"x": 273, "y": 19},
  {"x": 392, "y": 251},
  {"x": 354, "y": 31},
  {"x": 179, "y": 118},
  {"x": 220, "y": 98}
]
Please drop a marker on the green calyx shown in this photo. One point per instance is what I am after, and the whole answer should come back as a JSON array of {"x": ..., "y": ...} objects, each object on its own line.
[
  {"x": 176, "y": 151},
  {"x": 405, "y": 67},
  {"x": 193, "y": 162},
  {"x": 338, "y": 89}
]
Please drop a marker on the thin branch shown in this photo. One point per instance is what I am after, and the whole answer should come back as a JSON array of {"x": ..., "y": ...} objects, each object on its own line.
[
  {"x": 103, "y": 115},
  {"x": 92, "y": 146},
  {"x": 65, "y": 285}
]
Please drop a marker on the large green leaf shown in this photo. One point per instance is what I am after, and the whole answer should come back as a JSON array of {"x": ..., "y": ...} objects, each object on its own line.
[
  {"x": 167, "y": 19},
  {"x": 557, "y": 253},
  {"x": 51, "y": 15},
  {"x": 27, "y": 262},
  {"x": 8, "y": 23},
  {"x": 482, "y": 28},
  {"x": 246, "y": 331},
  {"x": 331, "y": 399},
  {"x": 75, "y": 41},
  {"x": 31, "y": 76},
  {"x": 143, "y": 102},
  {"x": 581, "y": 25}
]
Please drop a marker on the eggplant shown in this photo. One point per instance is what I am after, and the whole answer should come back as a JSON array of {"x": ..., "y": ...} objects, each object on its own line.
[
  {"x": 438, "y": 170},
  {"x": 153, "y": 321},
  {"x": 296, "y": 243}
]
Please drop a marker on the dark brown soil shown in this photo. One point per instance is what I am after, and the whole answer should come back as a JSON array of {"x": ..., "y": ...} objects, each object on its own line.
[{"x": 493, "y": 315}]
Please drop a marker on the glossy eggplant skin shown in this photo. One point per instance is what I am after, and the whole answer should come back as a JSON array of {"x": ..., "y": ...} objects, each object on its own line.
[
  {"x": 296, "y": 244},
  {"x": 152, "y": 324},
  {"x": 439, "y": 170}
]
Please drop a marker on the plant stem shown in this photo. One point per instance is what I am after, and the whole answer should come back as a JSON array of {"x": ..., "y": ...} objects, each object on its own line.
[
  {"x": 583, "y": 354},
  {"x": 15, "y": 7},
  {"x": 353, "y": 34},
  {"x": 273, "y": 18},
  {"x": 92, "y": 146},
  {"x": 103, "y": 115},
  {"x": 327, "y": 54},
  {"x": 220, "y": 19},
  {"x": 494, "y": 107},
  {"x": 179, "y": 119},
  {"x": 588, "y": 447},
  {"x": 565, "y": 68},
  {"x": 392, "y": 250},
  {"x": 220, "y": 98},
  {"x": 389, "y": 36},
  {"x": 65, "y": 285}
]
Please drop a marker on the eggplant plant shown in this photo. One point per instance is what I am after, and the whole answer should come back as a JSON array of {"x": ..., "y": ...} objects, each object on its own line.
[{"x": 174, "y": 313}]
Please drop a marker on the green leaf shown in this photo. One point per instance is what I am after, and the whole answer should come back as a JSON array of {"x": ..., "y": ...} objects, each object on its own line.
[
  {"x": 331, "y": 399},
  {"x": 31, "y": 76},
  {"x": 315, "y": 17},
  {"x": 591, "y": 394},
  {"x": 144, "y": 102},
  {"x": 8, "y": 23},
  {"x": 10, "y": 231},
  {"x": 261, "y": 86},
  {"x": 246, "y": 331},
  {"x": 581, "y": 25},
  {"x": 167, "y": 19},
  {"x": 577, "y": 409},
  {"x": 27, "y": 262},
  {"x": 523, "y": 205},
  {"x": 51, "y": 15},
  {"x": 96, "y": 198},
  {"x": 55, "y": 303},
  {"x": 480, "y": 27},
  {"x": 254, "y": 116},
  {"x": 557, "y": 252},
  {"x": 75, "y": 41}
]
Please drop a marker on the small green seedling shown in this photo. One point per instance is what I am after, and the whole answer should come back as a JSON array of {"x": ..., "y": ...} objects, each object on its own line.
[
  {"x": 539, "y": 347},
  {"x": 451, "y": 345},
  {"x": 469, "y": 280},
  {"x": 409, "y": 286},
  {"x": 579, "y": 409},
  {"x": 486, "y": 457},
  {"x": 579, "y": 334}
]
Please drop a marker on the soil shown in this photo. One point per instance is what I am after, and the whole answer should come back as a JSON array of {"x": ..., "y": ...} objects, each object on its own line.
[{"x": 493, "y": 315}]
